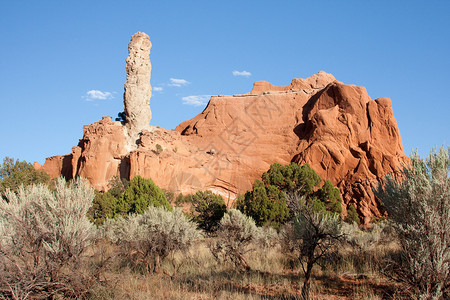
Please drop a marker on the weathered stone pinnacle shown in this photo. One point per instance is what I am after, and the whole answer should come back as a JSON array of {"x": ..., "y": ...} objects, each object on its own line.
[{"x": 138, "y": 90}]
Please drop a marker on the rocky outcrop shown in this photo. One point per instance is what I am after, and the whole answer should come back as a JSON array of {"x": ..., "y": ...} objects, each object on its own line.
[
  {"x": 138, "y": 90},
  {"x": 352, "y": 140},
  {"x": 344, "y": 135}
]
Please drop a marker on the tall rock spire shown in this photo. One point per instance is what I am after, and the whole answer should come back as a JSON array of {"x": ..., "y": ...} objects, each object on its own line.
[{"x": 138, "y": 90}]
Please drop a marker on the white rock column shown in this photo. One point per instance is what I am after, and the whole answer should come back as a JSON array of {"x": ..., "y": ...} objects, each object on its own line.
[{"x": 138, "y": 90}]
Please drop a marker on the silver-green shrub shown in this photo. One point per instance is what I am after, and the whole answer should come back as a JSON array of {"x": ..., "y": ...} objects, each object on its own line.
[
  {"x": 237, "y": 235},
  {"x": 147, "y": 239},
  {"x": 43, "y": 234},
  {"x": 419, "y": 207},
  {"x": 311, "y": 235}
]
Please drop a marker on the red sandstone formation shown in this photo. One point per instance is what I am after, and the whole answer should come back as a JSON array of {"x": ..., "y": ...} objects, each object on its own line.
[{"x": 336, "y": 128}]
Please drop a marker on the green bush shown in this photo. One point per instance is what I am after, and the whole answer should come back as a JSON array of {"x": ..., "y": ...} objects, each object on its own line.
[
  {"x": 330, "y": 197},
  {"x": 264, "y": 204},
  {"x": 207, "y": 209},
  {"x": 140, "y": 194},
  {"x": 292, "y": 178},
  {"x": 103, "y": 207},
  {"x": 15, "y": 173},
  {"x": 352, "y": 215}
]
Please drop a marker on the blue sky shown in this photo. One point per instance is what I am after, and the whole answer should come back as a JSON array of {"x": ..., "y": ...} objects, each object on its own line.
[{"x": 62, "y": 63}]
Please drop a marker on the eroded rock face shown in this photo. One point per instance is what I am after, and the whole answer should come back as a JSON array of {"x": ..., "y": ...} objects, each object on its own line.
[
  {"x": 138, "y": 90},
  {"x": 353, "y": 141},
  {"x": 344, "y": 135}
]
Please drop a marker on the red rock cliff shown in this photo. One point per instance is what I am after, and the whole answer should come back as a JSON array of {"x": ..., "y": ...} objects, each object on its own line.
[{"x": 336, "y": 128}]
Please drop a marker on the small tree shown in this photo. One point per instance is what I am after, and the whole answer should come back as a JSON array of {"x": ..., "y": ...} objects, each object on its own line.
[
  {"x": 207, "y": 209},
  {"x": 103, "y": 207},
  {"x": 235, "y": 236},
  {"x": 13, "y": 174},
  {"x": 43, "y": 235},
  {"x": 149, "y": 238},
  {"x": 264, "y": 204},
  {"x": 140, "y": 194},
  {"x": 352, "y": 215},
  {"x": 330, "y": 197},
  {"x": 313, "y": 233},
  {"x": 292, "y": 178},
  {"x": 419, "y": 207}
]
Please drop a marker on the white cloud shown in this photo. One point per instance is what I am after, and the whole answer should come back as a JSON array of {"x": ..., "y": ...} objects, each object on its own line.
[
  {"x": 158, "y": 88},
  {"x": 196, "y": 100},
  {"x": 178, "y": 82},
  {"x": 241, "y": 73},
  {"x": 97, "y": 95}
]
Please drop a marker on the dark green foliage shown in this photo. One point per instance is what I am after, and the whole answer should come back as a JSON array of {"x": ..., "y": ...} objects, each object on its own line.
[
  {"x": 292, "y": 178},
  {"x": 265, "y": 204},
  {"x": 207, "y": 209},
  {"x": 15, "y": 173},
  {"x": 352, "y": 215},
  {"x": 140, "y": 194},
  {"x": 103, "y": 207},
  {"x": 330, "y": 197}
]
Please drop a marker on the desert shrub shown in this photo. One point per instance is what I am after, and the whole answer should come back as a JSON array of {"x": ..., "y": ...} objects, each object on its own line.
[
  {"x": 13, "y": 174},
  {"x": 146, "y": 240},
  {"x": 236, "y": 236},
  {"x": 292, "y": 178},
  {"x": 352, "y": 215},
  {"x": 43, "y": 235},
  {"x": 419, "y": 208},
  {"x": 330, "y": 197},
  {"x": 312, "y": 235},
  {"x": 207, "y": 209},
  {"x": 140, "y": 194},
  {"x": 103, "y": 207},
  {"x": 158, "y": 149},
  {"x": 368, "y": 246},
  {"x": 264, "y": 204}
]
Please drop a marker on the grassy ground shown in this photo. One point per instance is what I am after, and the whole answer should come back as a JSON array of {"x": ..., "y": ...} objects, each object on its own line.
[{"x": 354, "y": 275}]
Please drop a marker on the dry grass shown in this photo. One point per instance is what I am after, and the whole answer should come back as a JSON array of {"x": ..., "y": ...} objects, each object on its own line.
[{"x": 202, "y": 277}]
